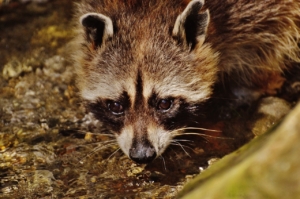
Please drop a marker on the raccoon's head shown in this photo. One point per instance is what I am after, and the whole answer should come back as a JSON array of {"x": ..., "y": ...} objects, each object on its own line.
[{"x": 144, "y": 70}]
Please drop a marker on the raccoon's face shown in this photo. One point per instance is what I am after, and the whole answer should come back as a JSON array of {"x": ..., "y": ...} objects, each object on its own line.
[{"x": 144, "y": 83}]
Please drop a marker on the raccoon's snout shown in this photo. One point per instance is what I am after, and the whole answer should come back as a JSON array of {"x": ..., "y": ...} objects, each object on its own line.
[{"x": 142, "y": 153}]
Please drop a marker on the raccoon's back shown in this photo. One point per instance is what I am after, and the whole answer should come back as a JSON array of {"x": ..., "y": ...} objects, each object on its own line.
[{"x": 254, "y": 36}]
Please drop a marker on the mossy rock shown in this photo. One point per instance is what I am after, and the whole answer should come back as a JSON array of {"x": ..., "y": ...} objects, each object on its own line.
[{"x": 267, "y": 167}]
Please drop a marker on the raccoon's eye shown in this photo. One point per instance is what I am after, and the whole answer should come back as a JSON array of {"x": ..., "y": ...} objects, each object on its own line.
[
  {"x": 115, "y": 107},
  {"x": 164, "y": 104}
]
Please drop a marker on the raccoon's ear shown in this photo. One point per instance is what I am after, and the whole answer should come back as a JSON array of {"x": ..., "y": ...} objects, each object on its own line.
[
  {"x": 98, "y": 28},
  {"x": 191, "y": 26}
]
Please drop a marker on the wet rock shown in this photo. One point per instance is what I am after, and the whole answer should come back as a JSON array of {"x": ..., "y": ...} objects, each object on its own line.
[
  {"x": 56, "y": 63},
  {"x": 270, "y": 111},
  {"x": 43, "y": 177},
  {"x": 267, "y": 167},
  {"x": 14, "y": 68}
]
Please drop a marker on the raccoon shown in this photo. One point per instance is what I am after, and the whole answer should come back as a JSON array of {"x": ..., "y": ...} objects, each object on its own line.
[{"x": 146, "y": 67}]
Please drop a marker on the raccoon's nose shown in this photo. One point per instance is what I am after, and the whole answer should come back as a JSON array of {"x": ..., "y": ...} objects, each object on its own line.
[{"x": 142, "y": 154}]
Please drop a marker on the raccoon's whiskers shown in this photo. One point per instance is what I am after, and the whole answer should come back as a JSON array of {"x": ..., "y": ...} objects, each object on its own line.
[
  {"x": 98, "y": 148},
  {"x": 182, "y": 131},
  {"x": 197, "y": 128},
  {"x": 164, "y": 162},
  {"x": 182, "y": 146},
  {"x": 114, "y": 153},
  {"x": 182, "y": 140},
  {"x": 178, "y": 142},
  {"x": 102, "y": 134},
  {"x": 107, "y": 144},
  {"x": 209, "y": 136}
]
